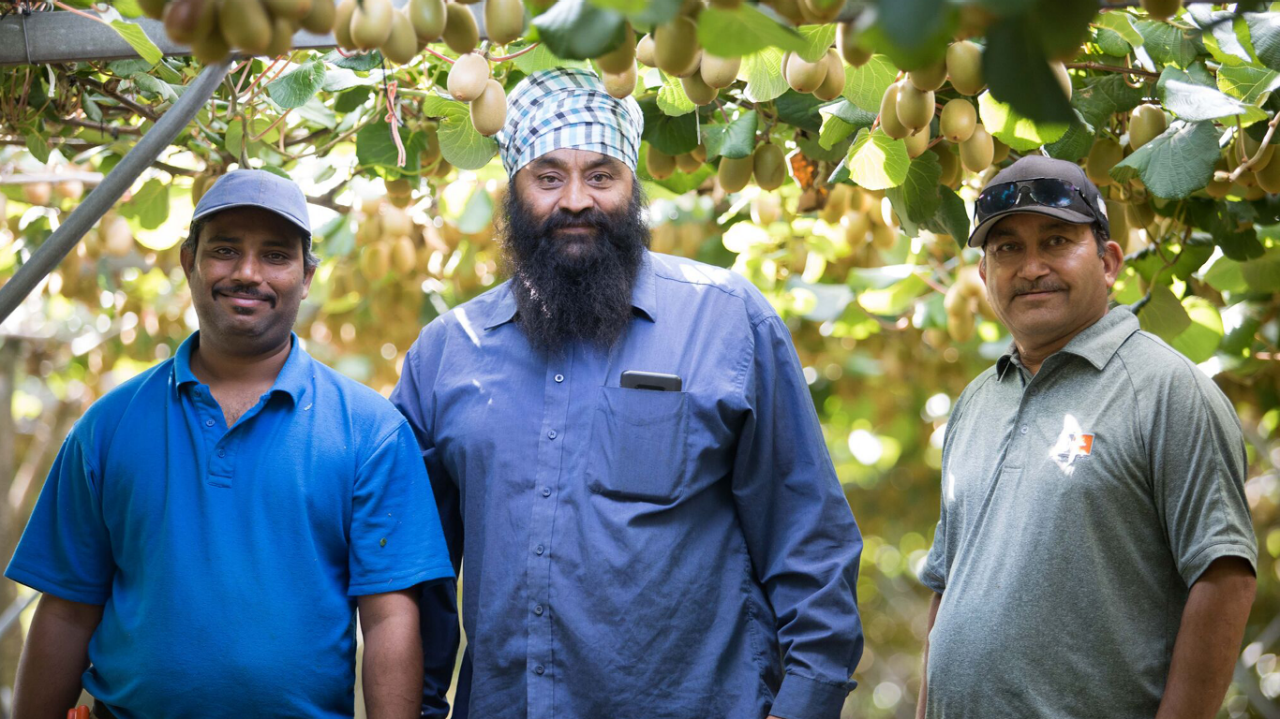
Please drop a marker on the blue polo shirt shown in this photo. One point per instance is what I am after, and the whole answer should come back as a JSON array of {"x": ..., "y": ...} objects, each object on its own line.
[{"x": 228, "y": 560}]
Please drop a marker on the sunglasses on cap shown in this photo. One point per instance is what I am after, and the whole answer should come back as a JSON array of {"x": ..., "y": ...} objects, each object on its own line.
[{"x": 1045, "y": 192}]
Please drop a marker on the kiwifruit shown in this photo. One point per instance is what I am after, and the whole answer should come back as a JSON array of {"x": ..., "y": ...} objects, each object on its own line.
[
  {"x": 394, "y": 222},
  {"x": 1146, "y": 122},
  {"x": 117, "y": 238},
  {"x": 402, "y": 45},
  {"x": 675, "y": 45},
  {"x": 37, "y": 193},
  {"x": 620, "y": 85},
  {"x": 428, "y": 18},
  {"x": 659, "y": 164},
  {"x": 489, "y": 111},
  {"x": 1161, "y": 9},
  {"x": 766, "y": 209},
  {"x": 185, "y": 20},
  {"x": 291, "y": 9},
  {"x": 460, "y": 31},
  {"x": 404, "y": 256},
  {"x": 917, "y": 142},
  {"x": 467, "y": 77},
  {"x": 699, "y": 152},
  {"x": 503, "y": 20},
  {"x": 815, "y": 11},
  {"x": 644, "y": 51},
  {"x": 833, "y": 79},
  {"x": 769, "y": 165},
  {"x": 375, "y": 261},
  {"x": 687, "y": 163},
  {"x": 951, "y": 171},
  {"x": 801, "y": 75},
  {"x": 320, "y": 19},
  {"x": 153, "y": 9},
  {"x": 1001, "y": 150},
  {"x": 1103, "y": 156},
  {"x": 914, "y": 107},
  {"x": 883, "y": 237},
  {"x": 697, "y": 90},
  {"x": 847, "y": 41},
  {"x": 371, "y": 23},
  {"x": 977, "y": 152},
  {"x": 1268, "y": 177},
  {"x": 431, "y": 152},
  {"x": 282, "y": 30},
  {"x": 1064, "y": 78},
  {"x": 889, "y": 114},
  {"x": 735, "y": 174},
  {"x": 839, "y": 198},
  {"x": 619, "y": 59},
  {"x": 1251, "y": 147},
  {"x": 957, "y": 120},
  {"x": 1118, "y": 221},
  {"x": 719, "y": 72},
  {"x": 211, "y": 48},
  {"x": 964, "y": 67},
  {"x": 930, "y": 77},
  {"x": 856, "y": 226},
  {"x": 399, "y": 187},
  {"x": 342, "y": 24},
  {"x": 245, "y": 24}
]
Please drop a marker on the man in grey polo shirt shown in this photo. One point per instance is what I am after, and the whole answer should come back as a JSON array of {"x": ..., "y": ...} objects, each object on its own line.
[{"x": 1094, "y": 555}]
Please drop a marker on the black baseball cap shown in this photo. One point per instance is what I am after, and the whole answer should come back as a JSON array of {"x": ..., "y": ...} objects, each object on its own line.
[{"x": 1042, "y": 185}]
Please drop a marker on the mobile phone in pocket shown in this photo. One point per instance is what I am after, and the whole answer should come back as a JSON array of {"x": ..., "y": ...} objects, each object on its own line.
[{"x": 635, "y": 379}]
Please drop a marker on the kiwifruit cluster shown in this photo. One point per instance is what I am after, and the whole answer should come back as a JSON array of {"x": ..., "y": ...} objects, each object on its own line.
[
  {"x": 255, "y": 27},
  {"x": 966, "y": 296},
  {"x": 385, "y": 235},
  {"x": 470, "y": 81}
]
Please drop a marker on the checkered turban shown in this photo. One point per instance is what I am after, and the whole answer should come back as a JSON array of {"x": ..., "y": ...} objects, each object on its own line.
[{"x": 568, "y": 108}]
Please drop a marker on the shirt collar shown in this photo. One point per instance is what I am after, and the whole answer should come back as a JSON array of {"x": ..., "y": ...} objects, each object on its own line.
[
  {"x": 293, "y": 380},
  {"x": 644, "y": 297},
  {"x": 1096, "y": 343}
]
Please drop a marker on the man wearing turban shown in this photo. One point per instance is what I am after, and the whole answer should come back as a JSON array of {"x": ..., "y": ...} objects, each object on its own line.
[{"x": 624, "y": 449}]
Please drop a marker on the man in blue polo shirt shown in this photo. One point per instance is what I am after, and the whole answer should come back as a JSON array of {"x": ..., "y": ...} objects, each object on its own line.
[{"x": 211, "y": 526}]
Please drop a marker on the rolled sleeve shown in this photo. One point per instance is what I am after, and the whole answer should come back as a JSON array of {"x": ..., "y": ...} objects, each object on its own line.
[
  {"x": 65, "y": 549},
  {"x": 800, "y": 532},
  {"x": 396, "y": 541}
]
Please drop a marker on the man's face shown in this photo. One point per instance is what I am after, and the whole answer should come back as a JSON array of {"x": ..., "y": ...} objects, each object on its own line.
[
  {"x": 562, "y": 187},
  {"x": 1044, "y": 276},
  {"x": 247, "y": 277}
]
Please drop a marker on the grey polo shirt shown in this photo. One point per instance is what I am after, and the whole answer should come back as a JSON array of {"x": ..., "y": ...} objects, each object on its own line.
[{"x": 1078, "y": 507}]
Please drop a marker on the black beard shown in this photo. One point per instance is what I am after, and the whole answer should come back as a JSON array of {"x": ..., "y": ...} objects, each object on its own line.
[{"x": 565, "y": 296}]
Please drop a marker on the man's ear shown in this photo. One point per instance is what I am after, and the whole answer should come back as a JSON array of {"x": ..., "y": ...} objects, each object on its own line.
[
  {"x": 1112, "y": 261},
  {"x": 307, "y": 274},
  {"x": 187, "y": 257},
  {"x": 982, "y": 266}
]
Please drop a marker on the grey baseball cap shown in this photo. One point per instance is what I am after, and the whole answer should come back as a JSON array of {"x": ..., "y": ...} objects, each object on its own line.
[
  {"x": 257, "y": 188},
  {"x": 1067, "y": 194}
]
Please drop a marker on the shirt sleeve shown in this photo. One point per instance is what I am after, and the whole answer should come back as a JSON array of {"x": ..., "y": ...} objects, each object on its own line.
[
  {"x": 800, "y": 532},
  {"x": 396, "y": 540},
  {"x": 1198, "y": 468},
  {"x": 438, "y": 605},
  {"x": 65, "y": 549}
]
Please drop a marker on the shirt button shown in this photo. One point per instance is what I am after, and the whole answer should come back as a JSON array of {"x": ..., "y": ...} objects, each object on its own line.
[
  {"x": 222, "y": 453},
  {"x": 552, "y": 434},
  {"x": 538, "y": 610},
  {"x": 208, "y": 423},
  {"x": 559, "y": 378},
  {"x": 539, "y": 670},
  {"x": 539, "y": 550},
  {"x": 546, "y": 491},
  {"x": 1024, "y": 429}
]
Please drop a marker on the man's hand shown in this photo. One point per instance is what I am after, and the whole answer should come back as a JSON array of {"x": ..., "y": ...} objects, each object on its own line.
[
  {"x": 1209, "y": 637},
  {"x": 392, "y": 654},
  {"x": 54, "y": 657}
]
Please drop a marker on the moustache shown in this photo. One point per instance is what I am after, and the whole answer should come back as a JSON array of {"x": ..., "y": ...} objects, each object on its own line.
[
  {"x": 1038, "y": 287},
  {"x": 593, "y": 219},
  {"x": 245, "y": 291}
]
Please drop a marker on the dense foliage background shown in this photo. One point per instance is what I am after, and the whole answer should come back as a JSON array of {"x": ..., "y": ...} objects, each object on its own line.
[{"x": 855, "y": 248}]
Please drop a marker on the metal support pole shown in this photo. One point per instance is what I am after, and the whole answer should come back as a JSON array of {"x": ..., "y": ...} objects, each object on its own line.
[{"x": 113, "y": 186}]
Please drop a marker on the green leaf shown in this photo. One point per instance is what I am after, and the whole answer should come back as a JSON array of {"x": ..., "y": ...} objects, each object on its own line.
[
  {"x": 1204, "y": 332},
  {"x": 877, "y": 161},
  {"x": 1074, "y": 144},
  {"x": 865, "y": 86},
  {"x": 296, "y": 88},
  {"x": 894, "y": 299},
  {"x": 1098, "y": 98},
  {"x": 1176, "y": 163},
  {"x": 461, "y": 144},
  {"x": 1018, "y": 132},
  {"x": 1163, "y": 315},
  {"x": 1225, "y": 275},
  {"x": 1112, "y": 44},
  {"x": 840, "y": 120},
  {"x": 812, "y": 149},
  {"x": 578, "y": 30},
  {"x": 154, "y": 86},
  {"x": 358, "y": 63},
  {"x": 1263, "y": 274},
  {"x": 348, "y": 100},
  {"x": 799, "y": 110},
  {"x": 1121, "y": 23},
  {"x": 1264, "y": 32},
  {"x": 138, "y": 40},
  {"x": 1190, "y": 100},
  {"x": 818, "y": 39},
  {"x": 917, "y": 200},
  {"x": 316, "y": 112},
  {"x": 1168, "y": 44},
  {"x": 478, "y": 212},
  {"x": 742, "y": 31},
  {"x": 911, "y": 29},
  {"x": 149, "y": 205},
  {"x": 376, "y": 148},
  {"x": 834, "y": 131},
  {"x": 763, "y": 71},
  {"x": 234, "y": 138},
  {"x": 1227, "y": 38},
  {"x": 541, "y": 58},
  {"x": 1247, "y": 83},
  {"x": 671, "y": 98},
  {"x": 735, "y": 140},
  {"x": 672, "y": 135},
  {"x": 1018, "y": 74},
  {"x": 951, "y": 218}
]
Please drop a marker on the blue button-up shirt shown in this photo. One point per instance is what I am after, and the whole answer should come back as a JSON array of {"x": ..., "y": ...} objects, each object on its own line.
[
  {"x": 229, "y": 559},
  {"x": 630, "y": 552}
]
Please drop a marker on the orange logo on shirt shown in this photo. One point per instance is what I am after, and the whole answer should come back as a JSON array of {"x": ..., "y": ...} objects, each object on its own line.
[
  {"x": 1072, "y": 444},
  {"x": 1084, "y": 445}
]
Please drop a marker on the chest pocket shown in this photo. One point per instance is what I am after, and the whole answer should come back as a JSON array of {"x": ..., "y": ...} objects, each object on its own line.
[{"x": 638, "y": 447}]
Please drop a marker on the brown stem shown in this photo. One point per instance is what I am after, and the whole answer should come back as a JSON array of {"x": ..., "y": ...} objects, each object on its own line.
[
  {"x": 1113, "y": 68},
  {"x": 135, "y": 107},
  {"x": 1248, "y": 162},
  {"x": 514, "y": 55},
  {"x": 113, "y": 130}
]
